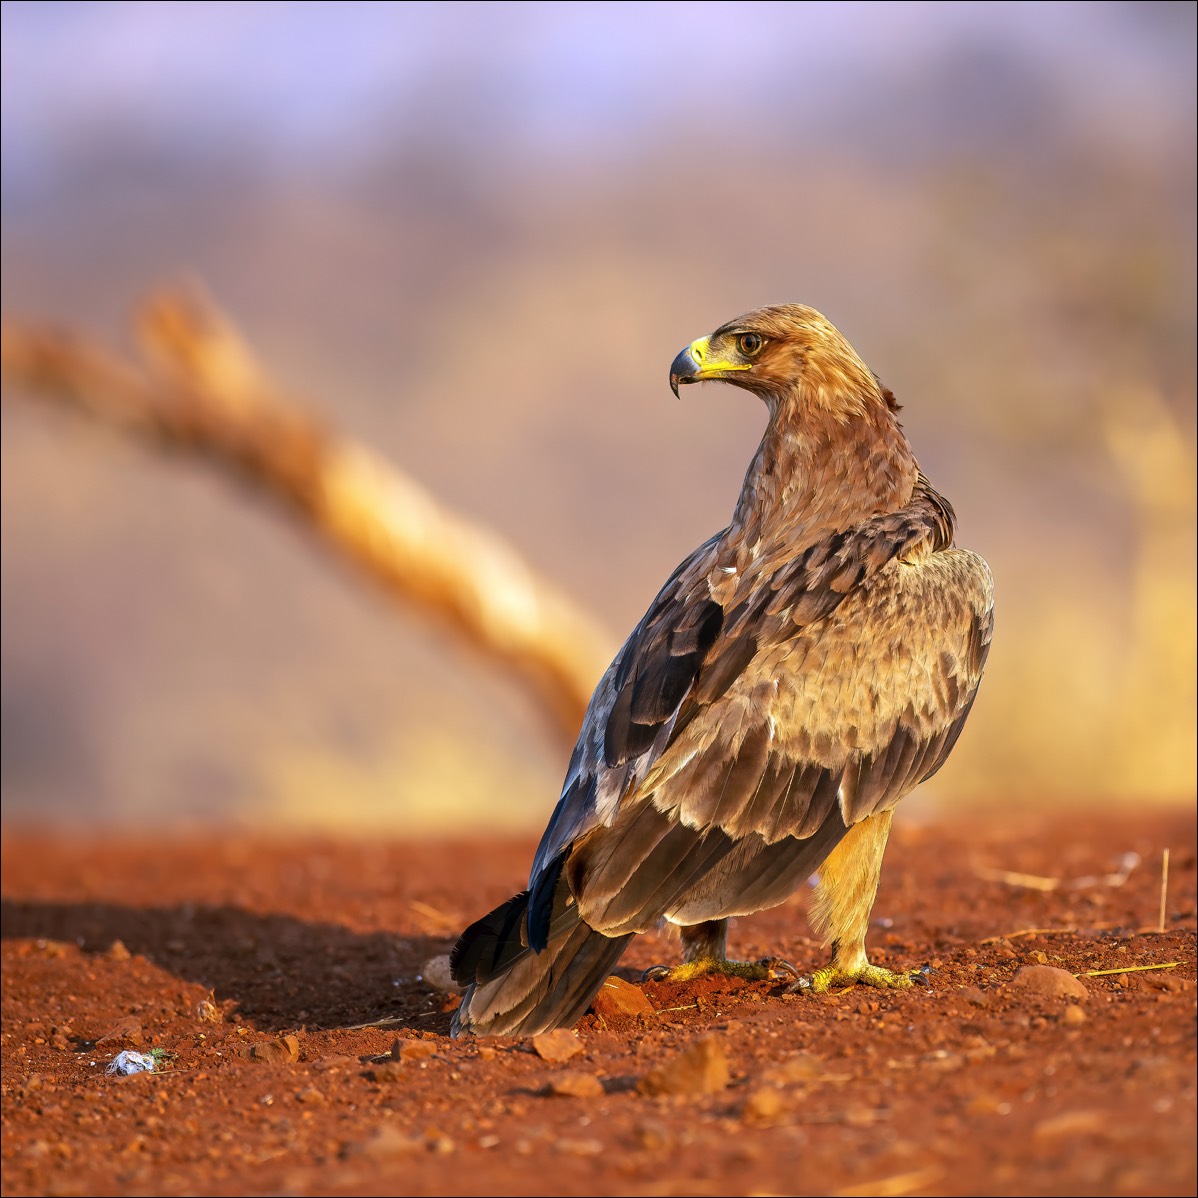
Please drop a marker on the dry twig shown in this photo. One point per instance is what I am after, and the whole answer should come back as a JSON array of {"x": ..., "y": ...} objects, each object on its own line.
[
  {"x": 1029, "y": 932},
  {"x": 1160, "y": 923},
  {"x": 199, "y": 389},
  {"x": 1010, "y": 877},
  {"x": 1102, "y": 973}
]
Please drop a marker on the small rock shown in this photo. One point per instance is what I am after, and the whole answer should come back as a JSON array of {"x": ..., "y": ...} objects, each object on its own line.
[
  {"x": 573, "y": 1083},
  {"x": 310, "y": 1096},
  {"x": 1049, "y": 982},
  {"x": 385, "y": 1071},
  {"x": 118, "y": 952},
  {"x": 701, "y": 1069},
  {"x": 413, "y": 1050},
  {"x": 654, "y": 1137},
  {"x": 125, "y": 1031},
  {"x": 942, "y": 1060},
  {"x": 284, "y": 1049},
  {"x": 435, "y": 972},
  {"x": 559, "y": 1045},
  {"x": 799, "y": 1067},
  {"x": 974, "y": 996},
  {"x": 618, "y": 1000},
  {"x": 988, "y": 1104},
  {"x": 1159, "y": 980},
  {"x": 335, "y": 1064},
  {"x": 1073, "y": 1014},
  {"x": 385, "y": 1142},
  {"x": 762, "y": 1105},
  {"x": 862, "y": 1116},
  {"x": 979, "y": 1049}
]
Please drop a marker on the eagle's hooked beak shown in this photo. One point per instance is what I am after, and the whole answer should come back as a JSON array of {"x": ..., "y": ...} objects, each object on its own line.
[
  {"x": 685, "y": 368},
  {"x": 695, "y": 364}
]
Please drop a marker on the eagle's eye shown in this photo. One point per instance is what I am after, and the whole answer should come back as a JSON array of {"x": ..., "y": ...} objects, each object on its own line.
[{"x": 749, "y": 344}]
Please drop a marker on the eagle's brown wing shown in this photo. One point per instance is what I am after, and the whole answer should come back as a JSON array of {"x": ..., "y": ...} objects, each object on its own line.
[{"x": 748, "y": 722}]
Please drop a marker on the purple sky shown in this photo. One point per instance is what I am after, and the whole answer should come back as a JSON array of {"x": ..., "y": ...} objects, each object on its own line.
[{"x": 304, "y": 83}]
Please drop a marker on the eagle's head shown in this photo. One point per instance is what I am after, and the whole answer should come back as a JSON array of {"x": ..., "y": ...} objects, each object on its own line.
[{"x": 789, "y": 355}]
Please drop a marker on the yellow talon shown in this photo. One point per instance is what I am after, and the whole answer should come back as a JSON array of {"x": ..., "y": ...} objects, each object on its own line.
[
  {"x": 822, "y": 980},
  {"x": 752, "y": 971}
]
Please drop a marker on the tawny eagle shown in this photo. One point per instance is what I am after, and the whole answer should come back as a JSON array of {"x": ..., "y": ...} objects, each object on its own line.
[{"x": 797, "y": 675}]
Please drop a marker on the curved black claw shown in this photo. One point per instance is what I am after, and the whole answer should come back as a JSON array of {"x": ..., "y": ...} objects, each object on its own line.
[
  {"x": 656, "y": 973},
  {"x": 777, "y": 967}
]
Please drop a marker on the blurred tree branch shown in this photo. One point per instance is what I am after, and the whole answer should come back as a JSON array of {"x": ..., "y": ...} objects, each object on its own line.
[{"x": 199, "y": 389}]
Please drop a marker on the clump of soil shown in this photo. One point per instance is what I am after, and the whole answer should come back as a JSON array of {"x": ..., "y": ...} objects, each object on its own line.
[{"x": 245, "y": 967}]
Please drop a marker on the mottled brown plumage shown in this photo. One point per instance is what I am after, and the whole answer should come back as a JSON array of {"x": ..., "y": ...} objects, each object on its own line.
[{"x": 796, "y": 676}]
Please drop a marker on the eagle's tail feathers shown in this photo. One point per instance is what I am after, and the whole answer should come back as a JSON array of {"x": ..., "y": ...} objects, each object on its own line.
[{"x": 513, "y": 991}]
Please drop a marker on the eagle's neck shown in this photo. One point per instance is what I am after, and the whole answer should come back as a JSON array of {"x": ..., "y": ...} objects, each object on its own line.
[{"x": 813, "y": 474}]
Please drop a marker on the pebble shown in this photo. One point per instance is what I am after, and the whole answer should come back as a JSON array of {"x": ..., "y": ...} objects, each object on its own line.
[
  {"x": 762, "y": 1105},
  {"x": 618, "y": 1000},
  {"x": 1160, "y": 980},
  {"x": 117, "y": 951},
  {"x": 573, "y": 1083},
  {"x": 1049, "y": 982},
  {"x": 435, "y": 972},
  {"x": 385, "y": 1071},
  {"x": 701, "y": 1069},
  {"x": 974, "y": 996},
  {"x": 1073, "y": 1014},
  {"x": 653, "y": 1136},
  {"x": 283, "y": 1049},
  {"x": 798, "y": 1067},
  {"x": 334, "y": 1064},
  {"x": 413, "y": 1050},
  {"x": 385, "y": 1142},
  {"x": 559, "y": 1045}
]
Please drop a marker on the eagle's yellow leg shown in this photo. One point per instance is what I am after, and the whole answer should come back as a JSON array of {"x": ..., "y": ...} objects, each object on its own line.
[
  {"x": 705, "y": 950},
  {"x": 848, "y": 885}
]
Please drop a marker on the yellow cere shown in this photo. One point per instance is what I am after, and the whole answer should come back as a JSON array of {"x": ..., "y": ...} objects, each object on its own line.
[{"x": 699, "y": 350}]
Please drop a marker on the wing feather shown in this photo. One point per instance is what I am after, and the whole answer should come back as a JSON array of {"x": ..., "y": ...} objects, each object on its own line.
[{"x": 768, "y": 707}]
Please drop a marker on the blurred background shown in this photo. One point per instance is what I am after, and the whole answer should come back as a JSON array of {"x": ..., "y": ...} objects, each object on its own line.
[{"x": 473, "y": 237}]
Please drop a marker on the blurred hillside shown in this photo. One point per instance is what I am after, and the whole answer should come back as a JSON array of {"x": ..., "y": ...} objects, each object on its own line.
[{"x": 475, "y": 237}]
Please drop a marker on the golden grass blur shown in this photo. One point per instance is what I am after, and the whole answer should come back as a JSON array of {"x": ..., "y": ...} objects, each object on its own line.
[{"x": 1085, "y": 700}]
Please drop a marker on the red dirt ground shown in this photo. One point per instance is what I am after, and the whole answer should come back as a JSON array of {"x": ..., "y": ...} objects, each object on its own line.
[{"x": 974, "y": 1085}]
